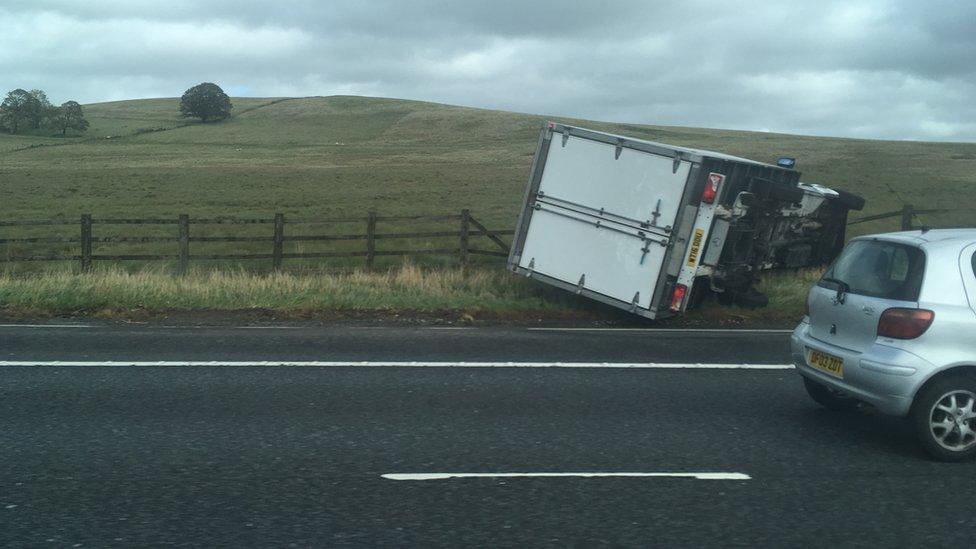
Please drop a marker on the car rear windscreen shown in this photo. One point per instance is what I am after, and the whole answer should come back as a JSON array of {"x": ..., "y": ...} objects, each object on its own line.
[{"x": 879, "y": 269}]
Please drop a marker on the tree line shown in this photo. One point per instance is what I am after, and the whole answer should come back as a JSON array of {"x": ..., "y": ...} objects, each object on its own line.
[{"x": 23, "y": 109}]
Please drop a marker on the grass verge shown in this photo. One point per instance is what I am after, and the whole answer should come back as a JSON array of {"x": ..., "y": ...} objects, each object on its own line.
[
  {"x": 406, "y": 291},
  {"x": 405, "y": 288}
]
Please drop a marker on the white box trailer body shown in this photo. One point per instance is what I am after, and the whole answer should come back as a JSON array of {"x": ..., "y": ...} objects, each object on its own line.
[{"x": 623, "y": 220}]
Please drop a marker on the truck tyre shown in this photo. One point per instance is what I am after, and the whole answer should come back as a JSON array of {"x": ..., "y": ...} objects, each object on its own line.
[
  {"x": 750, "y": 299},
  {"x": 699, "y": 292},
  {"x": 850, "y": 201},
  {"x": 828, "y": 398},
  {"x": 945, "y": 420},
  {"x": 774, "y": 190},
  {"x": 838, "y": 245}
]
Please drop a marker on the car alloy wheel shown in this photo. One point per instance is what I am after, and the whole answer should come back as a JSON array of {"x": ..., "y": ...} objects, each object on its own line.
[{"x": 952, "y": 420}]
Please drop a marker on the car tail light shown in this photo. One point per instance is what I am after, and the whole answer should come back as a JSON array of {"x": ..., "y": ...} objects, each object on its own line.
[
  {"x": 711, "y": 187},
  {"x": 678, "y": 296},
  {"x": 900, "y": 323}
]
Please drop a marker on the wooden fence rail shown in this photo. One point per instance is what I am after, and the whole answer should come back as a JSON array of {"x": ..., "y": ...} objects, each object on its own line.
[
  {"x": 468, "y": 229},
  {"x": 908, "y": 213}
]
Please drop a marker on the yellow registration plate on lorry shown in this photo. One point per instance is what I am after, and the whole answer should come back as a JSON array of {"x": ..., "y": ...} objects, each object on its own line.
[{"x": 828, "y": 363}]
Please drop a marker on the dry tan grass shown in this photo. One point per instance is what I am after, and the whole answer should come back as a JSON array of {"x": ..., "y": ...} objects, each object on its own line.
[{"x": 405, "y": 288}]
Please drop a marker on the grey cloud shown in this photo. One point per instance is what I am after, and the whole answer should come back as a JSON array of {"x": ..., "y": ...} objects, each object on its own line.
[{"x": 872, "y": 68}]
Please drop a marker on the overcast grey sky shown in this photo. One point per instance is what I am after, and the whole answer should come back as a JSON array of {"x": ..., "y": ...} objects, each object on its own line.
[{"x": 879, "y": 69}]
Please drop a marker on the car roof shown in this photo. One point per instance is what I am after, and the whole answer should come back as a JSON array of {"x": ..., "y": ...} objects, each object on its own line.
[{"x": 933, "y": 238}]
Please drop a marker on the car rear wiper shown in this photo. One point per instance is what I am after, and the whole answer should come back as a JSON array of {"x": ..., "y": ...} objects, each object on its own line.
[{"x": 842, "y": 288}]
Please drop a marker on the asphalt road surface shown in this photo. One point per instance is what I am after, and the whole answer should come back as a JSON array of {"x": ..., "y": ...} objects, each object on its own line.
[{"x": 278, "y": 451}]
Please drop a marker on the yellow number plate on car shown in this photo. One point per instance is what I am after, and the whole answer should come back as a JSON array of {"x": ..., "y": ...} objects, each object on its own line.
[{"x": 828, "y": 363}]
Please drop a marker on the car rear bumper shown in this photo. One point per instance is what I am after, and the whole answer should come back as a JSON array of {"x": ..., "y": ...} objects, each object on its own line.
[{"x": 882, "y": 376}]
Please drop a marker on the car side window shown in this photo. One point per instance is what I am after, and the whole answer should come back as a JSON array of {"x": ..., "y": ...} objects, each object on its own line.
[{"x": 898, "y": 267}]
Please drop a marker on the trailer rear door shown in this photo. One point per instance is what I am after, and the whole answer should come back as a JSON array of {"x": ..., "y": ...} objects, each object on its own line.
[{"x": 601, "y": 216}]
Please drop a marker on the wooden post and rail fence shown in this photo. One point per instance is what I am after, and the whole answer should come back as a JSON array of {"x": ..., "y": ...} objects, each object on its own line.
[
  {"x": 908, "y": 214},
  {"x": 467, "y": 229}
]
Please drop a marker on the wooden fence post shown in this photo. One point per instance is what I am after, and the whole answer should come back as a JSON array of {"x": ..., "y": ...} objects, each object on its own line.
[
  {"x": 465, "y": 233},
  {"x": 86, "y": 242},
  {"x": 370, "y": 239},
  {"x": 184, "y": 243},
  {"x": 279, "y": 239},
  {"x": 907, "y": 212}
]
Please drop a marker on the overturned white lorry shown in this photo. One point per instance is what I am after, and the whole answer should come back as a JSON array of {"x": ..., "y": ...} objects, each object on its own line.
[{"x": 653, "y": 228}]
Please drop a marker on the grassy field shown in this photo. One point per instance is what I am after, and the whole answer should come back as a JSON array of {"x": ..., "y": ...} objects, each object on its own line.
[
  {"x": 344, "y": 155},
  {"x": 341, "y": 156}
]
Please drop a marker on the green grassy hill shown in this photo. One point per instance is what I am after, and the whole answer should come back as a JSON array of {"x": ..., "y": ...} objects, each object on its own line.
[
  {"x": 344, "y": 155},
  {"x": 327, "y": 157}
]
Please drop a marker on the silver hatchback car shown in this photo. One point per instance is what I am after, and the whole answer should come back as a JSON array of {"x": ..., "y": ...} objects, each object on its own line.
[{"x": 892, "y": 323}]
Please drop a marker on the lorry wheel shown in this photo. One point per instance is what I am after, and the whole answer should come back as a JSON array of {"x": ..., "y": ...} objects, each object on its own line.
[
  {"x": 850, "y": 201},
  {"x": 750, "y": 299},
  {"x": 699, "y": 292},
  {"x": 944, "y": 416},
  {"x": 838, "y": 246},
  {"x": 828, "y": 398}
]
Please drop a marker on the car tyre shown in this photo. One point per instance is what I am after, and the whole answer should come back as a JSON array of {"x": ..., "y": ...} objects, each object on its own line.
[
  {"x": 828, "y": 398},
  {"x": 944, "y": 417}
]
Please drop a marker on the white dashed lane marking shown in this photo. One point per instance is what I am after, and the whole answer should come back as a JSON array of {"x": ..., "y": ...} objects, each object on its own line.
[{"x": 447, "y": 476}]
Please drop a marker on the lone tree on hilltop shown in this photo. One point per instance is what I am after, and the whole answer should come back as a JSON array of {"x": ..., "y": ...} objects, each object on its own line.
[
  {"x": 205, "y": 101},
  {"x": 18, "y": 109},
  {"x": 70, "y": 117}
]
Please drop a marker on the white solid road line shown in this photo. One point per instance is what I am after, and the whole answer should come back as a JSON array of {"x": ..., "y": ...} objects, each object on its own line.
[
  {"x": 665, "y": 330},
  {"x": 536, "y": 329},
  {"x": 445, "y": 476},
  {"x": 394, "y": 364},
  {"x": 46, "y": 326}
]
